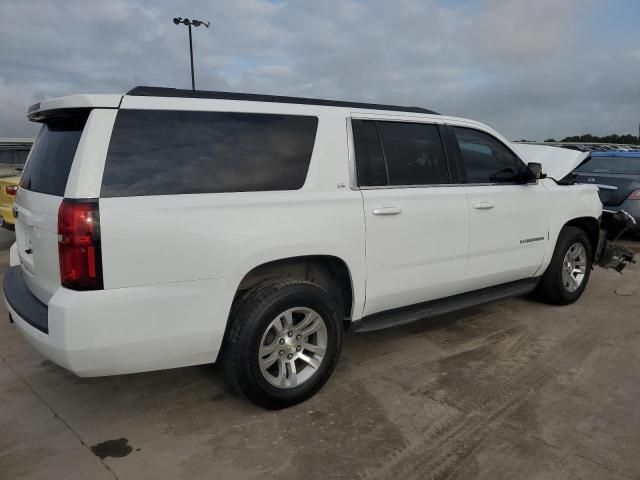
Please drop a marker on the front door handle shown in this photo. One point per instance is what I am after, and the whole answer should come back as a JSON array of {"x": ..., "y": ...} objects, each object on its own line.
[
  {"x": 387, "y": 211},
  {"x": 483, "y": 205}
]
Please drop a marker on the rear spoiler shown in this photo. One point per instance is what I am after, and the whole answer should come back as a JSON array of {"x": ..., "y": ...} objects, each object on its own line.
[{"x": 38, "y": 112}]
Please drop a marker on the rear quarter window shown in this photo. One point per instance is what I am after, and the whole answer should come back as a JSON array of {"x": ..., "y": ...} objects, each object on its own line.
[{"x": 156, "y": 152}]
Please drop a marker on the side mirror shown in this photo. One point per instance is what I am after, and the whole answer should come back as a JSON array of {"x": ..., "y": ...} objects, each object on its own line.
[{"x": 534, "y": 172}]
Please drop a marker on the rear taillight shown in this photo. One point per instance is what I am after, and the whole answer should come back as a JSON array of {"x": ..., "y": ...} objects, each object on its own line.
[
  {"x": 79, "y": 244},
  {"x": 635, "y": 195},
  {"x": 11, "y": 189}
]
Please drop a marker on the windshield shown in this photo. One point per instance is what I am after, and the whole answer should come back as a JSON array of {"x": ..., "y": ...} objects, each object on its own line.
[{"x": 624, "y": 165}]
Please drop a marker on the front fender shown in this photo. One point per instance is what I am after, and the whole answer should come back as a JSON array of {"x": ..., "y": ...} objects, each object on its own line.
[{"x": 568, "y": 203}]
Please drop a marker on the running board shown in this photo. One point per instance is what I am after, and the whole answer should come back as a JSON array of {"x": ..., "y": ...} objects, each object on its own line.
[{"x": 433, "y": 308}]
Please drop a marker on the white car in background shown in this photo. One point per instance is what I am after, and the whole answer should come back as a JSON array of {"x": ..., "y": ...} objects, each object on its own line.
[{"x": 166, "y": 228}]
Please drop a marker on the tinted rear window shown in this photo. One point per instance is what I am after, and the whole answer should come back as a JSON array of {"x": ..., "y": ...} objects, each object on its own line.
[
  {"x": 155, "y": 152},
  {"x": 399, "y": 153},
  {"x": 47, "y": 170},
  {"x": 414, "y": 153},
  {"x": 624, "y": 165}
]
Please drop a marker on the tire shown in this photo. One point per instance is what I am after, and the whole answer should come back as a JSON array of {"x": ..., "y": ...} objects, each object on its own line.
[
  {"x": 271, "y": 324},
  {"x": 558, "y": 288}
]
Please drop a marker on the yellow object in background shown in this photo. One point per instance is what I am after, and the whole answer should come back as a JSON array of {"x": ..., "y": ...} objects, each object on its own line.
[{"x": 8, "y": 189}]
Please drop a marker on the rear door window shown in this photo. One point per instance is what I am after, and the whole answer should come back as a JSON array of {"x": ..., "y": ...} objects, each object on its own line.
[
  {"x": 47, "y": 170},
  {"x": 414, "y": 153},
  {"x": 399, "y": 154},
  {"x": 486, "y": 159},
  {"x": 161, "y": 152}
]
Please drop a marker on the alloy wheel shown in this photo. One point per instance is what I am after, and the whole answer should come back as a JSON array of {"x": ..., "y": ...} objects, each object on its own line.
[
  {"x": 574, "y": 267},
  {"x": 293, "y": 347}
]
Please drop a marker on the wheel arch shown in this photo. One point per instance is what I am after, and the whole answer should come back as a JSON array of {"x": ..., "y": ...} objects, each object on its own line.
[
  {"x": 590, "y": 226},
  {"x": 329, "y": 271}
]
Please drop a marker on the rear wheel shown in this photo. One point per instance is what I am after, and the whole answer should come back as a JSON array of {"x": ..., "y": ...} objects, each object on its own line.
[
  {"x": 568, "y": 273},
  {"x": 284, "y": 341}
]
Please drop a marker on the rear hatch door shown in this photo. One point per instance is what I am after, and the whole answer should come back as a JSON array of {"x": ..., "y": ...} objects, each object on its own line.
[{"x": 42, "y": 189}]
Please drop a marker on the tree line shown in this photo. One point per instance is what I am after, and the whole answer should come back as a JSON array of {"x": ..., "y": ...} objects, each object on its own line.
[{"x": 588, "y": 138}]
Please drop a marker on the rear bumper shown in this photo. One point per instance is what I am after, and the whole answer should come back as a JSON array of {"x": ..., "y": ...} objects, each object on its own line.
[
  {"x": 21, "y": 301},
  {"x": 127, "y": 330}
]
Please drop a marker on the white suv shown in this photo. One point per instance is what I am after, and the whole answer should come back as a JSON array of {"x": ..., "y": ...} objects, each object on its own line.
[{"x": 166, "y": 228}]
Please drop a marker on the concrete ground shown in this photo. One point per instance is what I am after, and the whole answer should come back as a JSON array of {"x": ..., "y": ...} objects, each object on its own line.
[{"x": 516, "y": 389}]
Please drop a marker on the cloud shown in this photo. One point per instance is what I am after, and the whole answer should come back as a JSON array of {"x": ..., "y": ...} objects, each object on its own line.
[
  {"x": 522, "y": 31},
  {"x": 530, "y": 69}
]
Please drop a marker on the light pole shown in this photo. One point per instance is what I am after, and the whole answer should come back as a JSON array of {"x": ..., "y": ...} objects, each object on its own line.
[{"x": 189, "y": 23}]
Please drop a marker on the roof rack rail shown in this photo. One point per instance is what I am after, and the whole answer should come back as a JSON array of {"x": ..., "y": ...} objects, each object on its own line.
[{"x": 252, "y": 97}]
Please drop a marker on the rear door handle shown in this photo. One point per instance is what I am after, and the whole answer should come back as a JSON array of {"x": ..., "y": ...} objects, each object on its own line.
[
  {"x": 387, "y": 211},
  {"x": 483, "y": 205}
]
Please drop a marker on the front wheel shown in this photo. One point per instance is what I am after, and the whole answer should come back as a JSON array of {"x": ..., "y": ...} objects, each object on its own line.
[
  {"x": 569, "y": 270},
  {"x": 284, "y": 342}
]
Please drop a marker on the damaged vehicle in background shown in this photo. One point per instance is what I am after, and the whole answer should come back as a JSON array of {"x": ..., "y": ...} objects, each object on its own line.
[
  {"x": 293, "y": 222},
  {"x": 568, "y": 167},
  {"x": 617, "y": 175},
  {"x": 13, "y": 154}
]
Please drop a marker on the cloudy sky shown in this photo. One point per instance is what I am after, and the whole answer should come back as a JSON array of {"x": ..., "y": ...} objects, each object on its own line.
[{"x": 531, "y": 69}]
